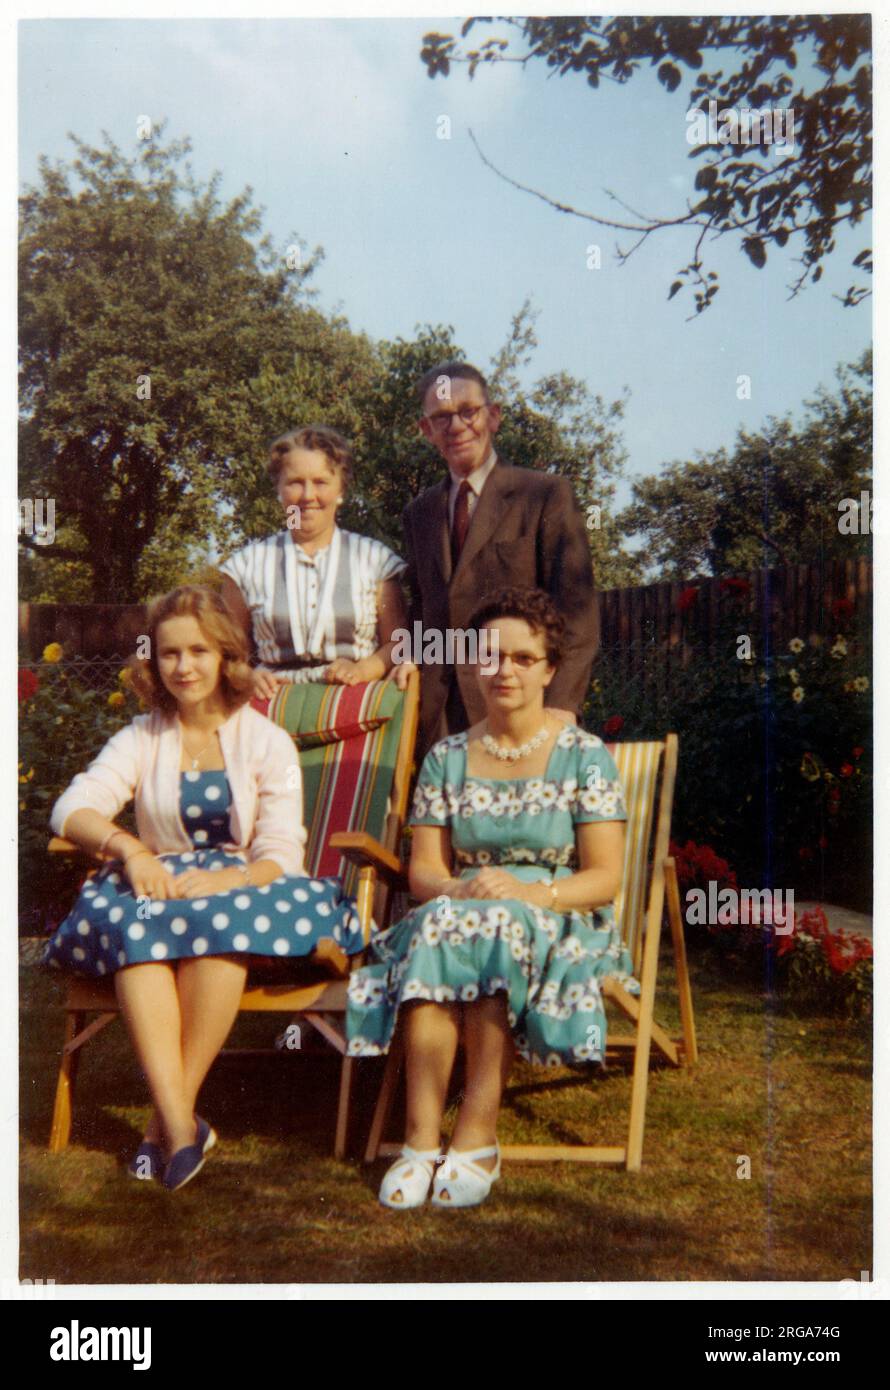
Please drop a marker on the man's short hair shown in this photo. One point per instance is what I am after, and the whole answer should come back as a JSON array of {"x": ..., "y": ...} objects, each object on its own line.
[{"x": 463, "y": 370}]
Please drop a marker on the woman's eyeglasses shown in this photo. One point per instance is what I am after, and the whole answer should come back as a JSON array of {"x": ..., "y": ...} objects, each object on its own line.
[{"x": 524, "y": 660}]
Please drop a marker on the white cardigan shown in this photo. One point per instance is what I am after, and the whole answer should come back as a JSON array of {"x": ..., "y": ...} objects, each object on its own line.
[{"x": 143, "y": 759}]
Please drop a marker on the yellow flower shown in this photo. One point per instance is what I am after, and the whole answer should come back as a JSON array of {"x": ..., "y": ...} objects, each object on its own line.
[
  {"x": 28, "y": 775},
  {"x": 116, "y": 699},
  {"x": 809, "y": 768},
  {"x": 860, "y": 683},
  {"x": 794, "y": 677},
  {"x": 795, "y": 645},
  {"x": 596, "y": 686},
  {"x": 839, "y": 648},
  {"x": 53, "y": 652},
  {"x": 797, "y": 694},
  {"x": 124, "y": 676}
]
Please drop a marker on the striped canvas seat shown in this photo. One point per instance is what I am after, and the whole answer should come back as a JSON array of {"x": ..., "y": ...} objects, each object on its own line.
[
  {"x": 348, "y": 741},
  {"x": 648, "y": 884},
  {"x": 356, "y": 749},
  {"x": 638, "y": 765}
]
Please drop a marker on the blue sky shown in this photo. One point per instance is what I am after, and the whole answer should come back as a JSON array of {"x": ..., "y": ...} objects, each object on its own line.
[{"x": 334, "y": 125}]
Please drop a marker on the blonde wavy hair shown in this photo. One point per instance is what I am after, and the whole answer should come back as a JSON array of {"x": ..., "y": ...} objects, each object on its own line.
[{"x": 221, "y": 630}]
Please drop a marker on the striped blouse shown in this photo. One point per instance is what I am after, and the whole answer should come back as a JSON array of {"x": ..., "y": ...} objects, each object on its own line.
[{"x": 308, "y": 610}]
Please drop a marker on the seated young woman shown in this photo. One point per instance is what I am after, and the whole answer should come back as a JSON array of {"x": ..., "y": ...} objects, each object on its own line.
[
  {"x": 516, "y": 854},
  {"x": 213, "y": 877}
]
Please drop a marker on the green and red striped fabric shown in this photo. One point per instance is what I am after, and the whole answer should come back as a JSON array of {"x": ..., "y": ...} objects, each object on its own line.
[{"x": 347, "y": 737}]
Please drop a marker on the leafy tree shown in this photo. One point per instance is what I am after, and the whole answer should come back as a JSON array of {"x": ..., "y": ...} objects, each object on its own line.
[
  {"x": 772, "y": 500},
  {"x": 147, "y": 311},
  {"x": 798, "y": 199},
  {"x": 556, "y": 425}
]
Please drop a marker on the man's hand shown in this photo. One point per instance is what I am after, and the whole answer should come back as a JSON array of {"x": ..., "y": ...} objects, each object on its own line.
[{"x": 401, "y": 672}]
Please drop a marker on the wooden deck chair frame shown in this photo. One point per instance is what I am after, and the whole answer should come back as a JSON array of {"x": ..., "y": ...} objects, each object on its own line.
[
  {"x": 649, "y": 883},
  {"x": 319, "y": 1002}
]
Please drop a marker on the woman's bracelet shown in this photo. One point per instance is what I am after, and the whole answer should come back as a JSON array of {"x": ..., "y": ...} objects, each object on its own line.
[
  {"x": 108, "y": 839},
  {"x": 552, "y": 886},
  {"x": 135, "y": 855},
  {"x": 242, "y": 869}
]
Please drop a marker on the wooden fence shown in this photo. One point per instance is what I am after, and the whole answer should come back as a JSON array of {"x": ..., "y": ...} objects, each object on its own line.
[{"x": 673, "y": 619}]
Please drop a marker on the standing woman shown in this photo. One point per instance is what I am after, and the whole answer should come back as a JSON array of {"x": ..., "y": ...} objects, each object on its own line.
[
  {"x": 516, "y": 856},
  {"x": 318, "y": 603},
  {"x": 213, "y": 876}
]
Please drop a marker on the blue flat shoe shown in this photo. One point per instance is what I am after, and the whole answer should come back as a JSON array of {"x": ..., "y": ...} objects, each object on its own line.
[
  {"x": 187, "y": 1162},
  {"x": 147, "y": 1162}
]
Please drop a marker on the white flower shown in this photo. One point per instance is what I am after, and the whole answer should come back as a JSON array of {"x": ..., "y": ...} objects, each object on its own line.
[
  {"x": 499, "y": 917},
  {"x": 432, "y": 932},
  {"x": 468, "y": 993},
  {"x": 795, "y": 645}
]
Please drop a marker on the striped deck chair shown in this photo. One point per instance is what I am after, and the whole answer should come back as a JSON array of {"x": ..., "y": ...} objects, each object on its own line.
[
  {"x": 356, "y": 749},
  {"x": 648, "y": 772}
]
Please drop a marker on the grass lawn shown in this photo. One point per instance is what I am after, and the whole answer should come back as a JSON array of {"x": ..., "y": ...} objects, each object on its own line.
[{"x": 271, "y": 1205}]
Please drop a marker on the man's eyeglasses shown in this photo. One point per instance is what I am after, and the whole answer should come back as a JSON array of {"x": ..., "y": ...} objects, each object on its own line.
[{"x": 441, "y": 420}]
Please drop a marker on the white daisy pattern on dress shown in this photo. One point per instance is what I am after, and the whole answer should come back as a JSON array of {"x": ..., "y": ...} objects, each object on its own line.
[{"x": 548, "y": 964}]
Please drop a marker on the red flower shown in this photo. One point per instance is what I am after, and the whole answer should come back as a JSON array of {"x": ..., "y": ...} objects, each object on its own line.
[
  {"x": 687, "y": 598},
  {"x": 842, "y": 608},
  {"x": 28, "y": 684},
  {"x": 613, "y": 725},
  {"x": 741, "y": 587},
  {"x": 846, "y": 769}
]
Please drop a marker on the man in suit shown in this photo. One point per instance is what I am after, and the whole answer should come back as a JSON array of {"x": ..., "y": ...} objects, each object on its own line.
[{"x": 485, "y": 525}]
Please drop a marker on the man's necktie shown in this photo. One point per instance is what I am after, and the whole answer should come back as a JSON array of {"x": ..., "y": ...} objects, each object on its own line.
[{"x": 461, "y": 522}]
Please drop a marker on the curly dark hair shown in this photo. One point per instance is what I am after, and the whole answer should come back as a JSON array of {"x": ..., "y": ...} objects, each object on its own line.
[
  {"x": 318, "y": 438},
  {"x": 218, "y": 626},
  {"x": 534, "y": 607}
]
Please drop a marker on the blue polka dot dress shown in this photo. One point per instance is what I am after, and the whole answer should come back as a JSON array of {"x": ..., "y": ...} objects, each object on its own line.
[{"x": 108, "y": 928}]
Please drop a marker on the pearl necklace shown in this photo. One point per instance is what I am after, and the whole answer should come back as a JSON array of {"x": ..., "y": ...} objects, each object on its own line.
[{"x": 512, "y": 755}]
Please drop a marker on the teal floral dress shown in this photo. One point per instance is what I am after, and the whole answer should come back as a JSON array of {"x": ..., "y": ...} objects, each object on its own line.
[{"x": 452, "y": 950}]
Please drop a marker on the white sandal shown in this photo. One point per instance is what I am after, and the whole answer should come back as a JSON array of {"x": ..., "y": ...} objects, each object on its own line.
[
  {"x": 461, "y": 1182},
  {"x": 407, "y": 1182}
]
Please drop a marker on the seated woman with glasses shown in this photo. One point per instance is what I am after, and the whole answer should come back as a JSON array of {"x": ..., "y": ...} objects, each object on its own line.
[
  {"x": 316, "y": 602},
  {"x": 516, "y": 854}
]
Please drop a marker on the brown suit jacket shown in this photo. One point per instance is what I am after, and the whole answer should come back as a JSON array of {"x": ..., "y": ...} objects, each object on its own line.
[{"x": 526, "y": 529}]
